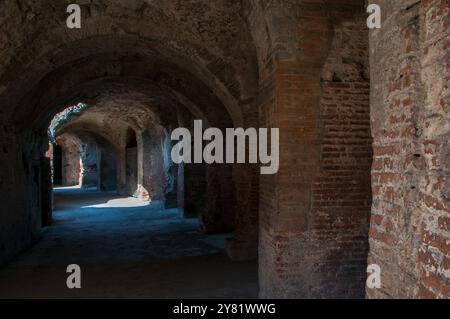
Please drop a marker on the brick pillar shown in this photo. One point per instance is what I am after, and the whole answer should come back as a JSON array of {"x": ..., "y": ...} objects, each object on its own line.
[
  {"x": 191, "y": 189},
  {"x": 244, "y": 244},
  {"x": 107, "y": 163},
  {"x": 20, "y": 213},
  {"x": 71, "y": 168},
  {"x": 150, "y": 167},
  {"x": 306, "y": 212},
  {"x": 89, "y": 170},
  {"x": 219, "y": 210},
  {"x": 285, "y": 198},
  {"x": 122, "y": 171},
  {"x": 47, "y": 191}
]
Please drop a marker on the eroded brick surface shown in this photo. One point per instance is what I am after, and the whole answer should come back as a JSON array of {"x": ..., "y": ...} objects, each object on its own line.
[
  {"x": 363, "y": 119},
  {"x": 410, "y": 125}
]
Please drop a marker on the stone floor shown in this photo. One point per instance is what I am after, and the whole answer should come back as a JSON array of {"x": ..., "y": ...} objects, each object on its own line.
[{"x": 126, "y": 249}]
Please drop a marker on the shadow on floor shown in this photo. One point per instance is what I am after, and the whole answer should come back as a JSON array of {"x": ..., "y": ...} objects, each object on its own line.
[{"x": 126, "y": 249}]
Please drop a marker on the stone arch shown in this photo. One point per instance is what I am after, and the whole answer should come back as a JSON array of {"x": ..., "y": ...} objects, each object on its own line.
[
  {"x": 62, "y": 48},
  {"x": 96, "y": 147},
  {"x": 299, "y": 232},
  {"x": 70, "y": 161},
  {"x": 219, "y": 59}
]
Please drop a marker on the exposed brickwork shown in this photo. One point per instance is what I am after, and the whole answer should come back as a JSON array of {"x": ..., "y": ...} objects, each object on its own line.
[
  {"x": 131, "y": 171},
  {"x": 71, "y": 152},
  {"x": 359, "y": 177},
  {"x": 218, "y": 214},
  {"x": 312, "y": 229},
  {"x": 342, "y": 194},
  {"x": 14, "y": 234},
  {"x": 162, "y": 55},
  {"x": 244, "y": 244},
  {"x": 207, "y": 191},
  {"x": 192, "y": 189},
  {"x": 410, "y": 122},
  {"x": 89, "y": 168}
]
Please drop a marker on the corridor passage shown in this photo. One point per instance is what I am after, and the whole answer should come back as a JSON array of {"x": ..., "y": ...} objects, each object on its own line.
[{"x": 125, "y": 248}]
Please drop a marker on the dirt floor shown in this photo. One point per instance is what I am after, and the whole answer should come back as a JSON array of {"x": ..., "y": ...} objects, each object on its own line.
[{"x": 126, "y": 249}]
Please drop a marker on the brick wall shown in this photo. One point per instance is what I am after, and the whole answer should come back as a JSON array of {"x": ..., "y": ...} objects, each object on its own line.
[
  {"x": 20, "y": 219},
  {"x": 409, "y": 235},
  {"x": 131, "y": 171},
  {"x": 89, "y": 165},
  {"x": 70, "y": 160},
  {"x": 193, "y": 189},
  {"x": 314, "y": 212},
  {"x": 341, "y": 195}
]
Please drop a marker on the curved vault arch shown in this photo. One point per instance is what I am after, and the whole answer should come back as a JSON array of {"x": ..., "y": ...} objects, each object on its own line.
[
  {"x": 214, "y": 32},
  {"x": 63, "y": 83},
  {"x": 117, "y": 108},
  {"x": 157, "y": 102}
]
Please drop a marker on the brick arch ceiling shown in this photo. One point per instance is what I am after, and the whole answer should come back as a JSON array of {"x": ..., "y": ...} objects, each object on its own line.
[
  {"x": 130, "y": 101},
  {"x": 116, "y": 108},
  {"x": 91, "y": 132},
  {"x": 209, "y": 42}
]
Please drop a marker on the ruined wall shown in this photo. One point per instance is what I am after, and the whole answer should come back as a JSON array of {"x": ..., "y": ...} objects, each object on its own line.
[
  {"x": 71, "y": 156},
  {"x": 170, "y": 175},
  {"x": 131, "y": 171},
  {"x": 313, "y": 215},
  {"x": 150, "y": 166},
  {"x": 89, "y": 170},
  {"x": 47, "y": 192},
  {"x": 318, "y": 203},
  {"x": 107, "y": 164},
  {"x": 191, "y": 189},
  {"x": 341, "y": 194},
  {"x": 218, "y": 213},
  {"x": 244, "y": 244},
  {"x": 206, "y": 191},
  {"x": 22, "y": 189},
  {"x": 200, "y": 51},
  {"x": 410, "y": 109}
]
